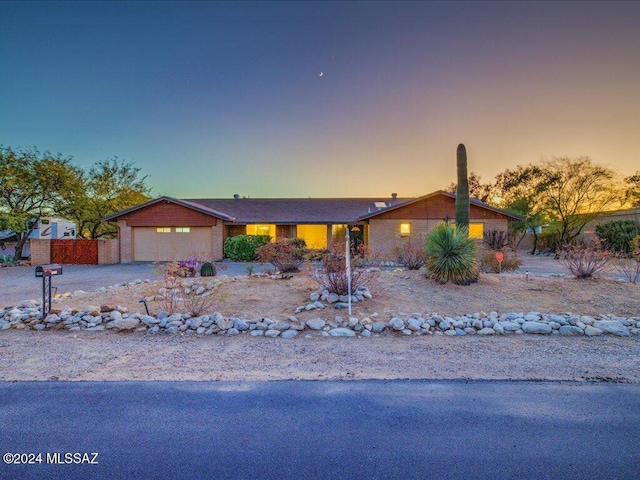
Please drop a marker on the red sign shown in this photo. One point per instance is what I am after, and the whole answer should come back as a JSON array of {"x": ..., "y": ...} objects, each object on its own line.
[{"x": 499, "y": 257}]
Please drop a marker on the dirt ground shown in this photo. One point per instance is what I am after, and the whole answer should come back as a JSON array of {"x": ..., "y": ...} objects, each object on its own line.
[{"x": 31, "y": 355}]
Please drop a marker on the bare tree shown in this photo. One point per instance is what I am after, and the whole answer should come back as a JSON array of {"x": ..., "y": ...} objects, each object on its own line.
[
  {"x": 576, "y": 191},
  {"x": 632, "y": 187}
]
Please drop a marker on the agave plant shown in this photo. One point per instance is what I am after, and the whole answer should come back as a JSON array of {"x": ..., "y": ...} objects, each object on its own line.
[{"x": 451, "y": 255}]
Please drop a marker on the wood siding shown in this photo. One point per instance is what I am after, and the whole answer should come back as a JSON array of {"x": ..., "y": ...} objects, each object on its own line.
[
  {"x": 437, "y": 207},
  {"x": 168, "y": 215}
]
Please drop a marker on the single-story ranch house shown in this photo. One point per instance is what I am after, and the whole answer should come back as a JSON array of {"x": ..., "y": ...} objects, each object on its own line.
[{"x": 168, "y": 229}]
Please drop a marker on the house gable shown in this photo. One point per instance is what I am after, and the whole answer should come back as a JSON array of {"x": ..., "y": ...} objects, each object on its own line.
[
  {"x": 167, "y": 214},
  {"x": 437, "y": 206}
]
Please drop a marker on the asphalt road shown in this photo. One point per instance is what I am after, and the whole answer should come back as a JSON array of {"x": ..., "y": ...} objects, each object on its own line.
[{"x": 322, "y": 430}]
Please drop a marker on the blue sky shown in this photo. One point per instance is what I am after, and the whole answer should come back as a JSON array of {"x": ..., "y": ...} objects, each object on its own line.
[{"x": 320, "y": 99}]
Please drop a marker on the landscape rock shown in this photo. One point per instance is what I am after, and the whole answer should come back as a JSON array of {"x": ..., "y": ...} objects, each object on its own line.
[
  {"x": 592, "y": 331},
  {"x": 378, "y": 327},
  {"x": 570, "y": 330},
  {"x": 123, "y": 324},
  {"x": 397, "y": 324},
  {"x": 342, "y": 332},
  {"x": 486, "y": 331},
  {"x": 316, "y": 323},
  {"x": 614, "y": 327},
  {"x": 333, "y": 298},
  {"x": 289, "y": 334},
  {"x": 536, "y": 327}
]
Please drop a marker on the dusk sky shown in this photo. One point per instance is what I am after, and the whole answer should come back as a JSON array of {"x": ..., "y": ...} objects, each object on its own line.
[{"x": 328, "y": 99}]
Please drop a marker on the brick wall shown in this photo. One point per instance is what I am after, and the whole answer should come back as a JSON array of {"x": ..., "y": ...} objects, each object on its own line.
[
  {"x": 40, "y": 251},
  {"x": 125, "y": 238},
  {"x": 218, "y": 241},
  {"x": 384, "y": 234},
  {"x": 108, "y": 252}
]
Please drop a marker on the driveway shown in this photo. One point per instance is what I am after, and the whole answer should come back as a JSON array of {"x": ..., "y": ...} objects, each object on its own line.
[{"x": 20, "y": 283}]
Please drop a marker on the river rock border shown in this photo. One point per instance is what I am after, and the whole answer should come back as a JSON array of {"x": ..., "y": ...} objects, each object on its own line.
[{"x": 27, "y": 315}]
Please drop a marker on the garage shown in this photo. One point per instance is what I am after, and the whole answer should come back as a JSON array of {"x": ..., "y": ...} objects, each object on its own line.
[{"x": 161, "y": 244}]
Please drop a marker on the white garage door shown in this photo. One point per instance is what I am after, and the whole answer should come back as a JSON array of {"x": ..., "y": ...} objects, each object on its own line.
[{"x": 165, "y": 244}]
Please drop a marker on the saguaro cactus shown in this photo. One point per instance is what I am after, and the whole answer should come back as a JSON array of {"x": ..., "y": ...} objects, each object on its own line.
[{"x": 462, "y": 192}]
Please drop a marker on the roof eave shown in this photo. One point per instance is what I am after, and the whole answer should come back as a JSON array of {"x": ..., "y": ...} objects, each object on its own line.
[{"x": 198, "y": 208}]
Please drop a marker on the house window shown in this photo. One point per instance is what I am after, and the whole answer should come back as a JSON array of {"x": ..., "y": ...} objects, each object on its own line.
[
  {"x": 183, "y": 229},
  {"x": 262, "y": 229},
  {"x": 405, "y": 229},
  {"x": 476, "y": 230},
  {"x": 315, "y": 236},
  {"x": 163, "y": 230}
]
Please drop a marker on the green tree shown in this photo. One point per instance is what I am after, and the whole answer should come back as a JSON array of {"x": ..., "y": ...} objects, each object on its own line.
[
  {"x": 34, "y": 184},
  {"x": 109, "y": 186},
  {"x": 521, "y": 191}
]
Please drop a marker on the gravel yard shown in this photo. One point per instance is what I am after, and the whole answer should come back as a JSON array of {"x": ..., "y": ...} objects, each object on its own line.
[{"x": 62, "y": 355}]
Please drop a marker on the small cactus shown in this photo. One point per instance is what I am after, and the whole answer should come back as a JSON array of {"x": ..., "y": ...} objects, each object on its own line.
[{"x": 208, "y": 269}]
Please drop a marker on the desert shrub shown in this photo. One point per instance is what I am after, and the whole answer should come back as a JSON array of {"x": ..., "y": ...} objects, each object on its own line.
[
  {"x": 617, "y": 236},
  {"x": 451, "y": 255},
  {"x": 8, "y": 261},
  {"x": 488, "y": 262},
  {"x": 549, "y": 240},
  {"x": 628, "y": 267},
  {"x": 250, "y": 268},
  {"x": 242, "y": 248},
  {"x": 584, "y": 261},
  {"x": 187, "y": 268},
  {"x": 297, "y": 243},
  {"x": 315, "y": 254},
  {"x": 173, "y": 297},
  {"x": 360, "y": 253},
  {"x": 496, "y": 239},
  {"x": 198, "y": 305},
  {"x": 286, "y": 254},
  {"x": 334, "y": 277},
  {"x": 410, "y": 254},
  {"x": 171, "y": 290}
]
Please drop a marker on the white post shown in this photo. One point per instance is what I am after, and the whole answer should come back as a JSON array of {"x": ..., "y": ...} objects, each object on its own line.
[{"x": 348, "y": 259}]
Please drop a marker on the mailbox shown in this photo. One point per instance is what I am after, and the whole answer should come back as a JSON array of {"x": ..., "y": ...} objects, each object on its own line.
[{"x": 53, "y": 269}]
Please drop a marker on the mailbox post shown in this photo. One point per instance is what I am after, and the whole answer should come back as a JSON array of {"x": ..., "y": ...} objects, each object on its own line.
[{"x": 46, "y": 272}]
